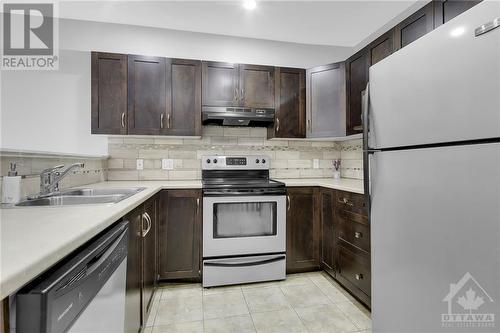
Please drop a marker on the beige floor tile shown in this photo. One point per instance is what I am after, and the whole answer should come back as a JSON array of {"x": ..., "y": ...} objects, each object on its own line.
[
  {"x": 325, "y": 318},
  {"x": 222, "y": 305},
  {"x": 304, "y": 295},
  {"x": 152, "y": 314},
  {"x": 189, "y": 327},
  {"x": 220, "y": 290},
  {"x": 240, "y": 324},
  {"x": 292, "y": 280},
  {"x": 357, "y": 314},
  {"x": 259, "y": 285},
  {"x": 179, "y": 310},
  {"x": 148, "y": 330},
  {"x": 282, "y": 321},
  {"x": 265, "y": 299},
  {"x": 333, "y": 293},
  {"x": 182, "y": 292}
]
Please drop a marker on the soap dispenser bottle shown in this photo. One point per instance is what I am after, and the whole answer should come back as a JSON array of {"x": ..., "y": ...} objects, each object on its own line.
[{"x": 11, "y": 187}]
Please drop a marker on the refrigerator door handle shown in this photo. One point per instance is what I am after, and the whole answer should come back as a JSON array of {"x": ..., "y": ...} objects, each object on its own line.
[{"x": 366, "y": 150}]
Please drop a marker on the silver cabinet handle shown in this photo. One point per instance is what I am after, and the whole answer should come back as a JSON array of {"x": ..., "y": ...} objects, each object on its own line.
[
  {"x": 235, "y": 96},
  {"x": 346, "y": 201},
  {"x": 242, "y": 96},
  {"x": 197, "y": 206},
  {"x": 357, "y": 234},
  {"x": 123, "y": 119},
  {"x": 161, "y": 120},
  {"x": 359, "y": 276},
  {"x": 148, "y": 220},
  {"x": 288, "y": 200},
  {"x": 277, "y": 124},
  {"x": 168, "y": 120}
]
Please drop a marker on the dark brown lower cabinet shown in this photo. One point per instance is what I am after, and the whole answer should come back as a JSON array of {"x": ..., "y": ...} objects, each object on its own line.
[
  {"x": 302, "y": 229},
  {"x": 141, "y": 265},
  {"x": 328, "y": 238},
  {"x": 180, "y": 234},
  {"x": 353, "y": 271}
]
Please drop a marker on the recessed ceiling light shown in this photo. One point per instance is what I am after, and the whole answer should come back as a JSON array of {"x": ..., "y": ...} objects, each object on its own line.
[{"x": 249, "y": 4}]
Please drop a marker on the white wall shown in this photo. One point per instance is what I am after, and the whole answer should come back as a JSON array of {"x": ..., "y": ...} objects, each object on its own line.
[{"x": 50, "y": 111}]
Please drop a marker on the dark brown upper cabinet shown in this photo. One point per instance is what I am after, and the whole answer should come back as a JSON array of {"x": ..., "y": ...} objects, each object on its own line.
[
  {"x": 357, "y": 78},
  {"x": 228, "y": 84},
  {"x": 445, "y": 10},
  {"x": 256, "y": 86},
  {"x": 290, "y": 101},
  {"x": 146, "y": 94},
  {"x": 302, "y": 230},
  {"x": 109, "y": 93},
  {"x": 220, "y": 84},
  {"x": 183, "y": 113},
  {"x": 415, "y": 26},
  {"x": 326, "y": 101},
  {"x": 180, "y": 234},
  {"x": 381, "y": 48}
]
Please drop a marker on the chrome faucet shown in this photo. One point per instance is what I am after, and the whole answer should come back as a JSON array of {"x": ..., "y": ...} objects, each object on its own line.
[{"x": 50, "y": 178}]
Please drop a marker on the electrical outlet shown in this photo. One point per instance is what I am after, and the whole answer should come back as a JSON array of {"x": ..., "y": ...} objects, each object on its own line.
[
  {"x": 315, "y": 163},
  {"x": 167, "y": 164},
  {"x": 140, "y": 164}
]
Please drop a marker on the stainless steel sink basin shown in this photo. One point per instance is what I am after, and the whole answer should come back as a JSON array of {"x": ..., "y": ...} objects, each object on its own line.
[
  {"x": 102, "y": 191},
  {"x": 84, "y": 196}
]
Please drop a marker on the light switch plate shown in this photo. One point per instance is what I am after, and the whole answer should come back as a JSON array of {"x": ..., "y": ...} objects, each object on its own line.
[
  {"x": 315, "y": 163},
  {"x": 140, "y": 164},
  {"x": 167, "y": 164}
]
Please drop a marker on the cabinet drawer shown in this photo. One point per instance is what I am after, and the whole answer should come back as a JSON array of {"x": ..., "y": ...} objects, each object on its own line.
[
  {"x": 354, "y": 267},
  {"x": 351, "y": 202},
  {"x": 354, "y": 233}
]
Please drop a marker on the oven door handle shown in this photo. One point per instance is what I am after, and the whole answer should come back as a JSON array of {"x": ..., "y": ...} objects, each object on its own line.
[
  {"x": 245, "y": 263},
  {"x": 249, "y": 193}
]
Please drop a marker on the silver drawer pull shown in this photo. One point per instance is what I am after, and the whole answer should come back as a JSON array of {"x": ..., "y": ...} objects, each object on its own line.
[
  {"x": 359, "y": 276},
  {"x": 346, "y": 201},
  {"x": 123, "y": 119},
  {"x": 357, "y": 234}
]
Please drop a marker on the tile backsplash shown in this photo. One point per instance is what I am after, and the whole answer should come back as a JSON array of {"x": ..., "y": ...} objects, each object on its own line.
[
  {"x": 289, "y": 158},
  {"x": 29, "y": 166},
  {"x": 351, "y": 154}
]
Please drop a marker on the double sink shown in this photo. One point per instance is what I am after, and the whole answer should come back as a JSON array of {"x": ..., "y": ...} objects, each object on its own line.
[{"x": 83, "y": 196}]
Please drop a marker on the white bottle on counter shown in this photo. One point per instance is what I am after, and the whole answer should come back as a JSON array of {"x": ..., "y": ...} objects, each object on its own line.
[{"x": 11, "y": 186}]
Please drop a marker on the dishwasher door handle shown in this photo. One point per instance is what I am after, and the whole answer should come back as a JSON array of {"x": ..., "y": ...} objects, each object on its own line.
[{"x": 93, "y": 265}]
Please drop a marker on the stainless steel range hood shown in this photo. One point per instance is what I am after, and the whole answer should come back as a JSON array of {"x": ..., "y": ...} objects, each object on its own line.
[{"x": 237, "y": 116}]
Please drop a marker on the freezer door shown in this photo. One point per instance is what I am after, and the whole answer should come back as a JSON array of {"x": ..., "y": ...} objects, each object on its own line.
[
  {"x": 435, "y": 217},
  {"x": 443, "y": 87}
]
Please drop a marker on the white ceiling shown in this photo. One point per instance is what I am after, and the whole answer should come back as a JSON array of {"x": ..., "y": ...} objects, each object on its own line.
[{"x": 336, "y": 23}]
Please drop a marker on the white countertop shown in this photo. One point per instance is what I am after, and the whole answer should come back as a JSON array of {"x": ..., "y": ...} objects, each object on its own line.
[
  {"x": 35, "y": 238},
  {"x": 344, "y": 184}
]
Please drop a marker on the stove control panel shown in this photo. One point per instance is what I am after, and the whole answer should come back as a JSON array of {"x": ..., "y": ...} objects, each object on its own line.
[{"x": 252, "y": 162}]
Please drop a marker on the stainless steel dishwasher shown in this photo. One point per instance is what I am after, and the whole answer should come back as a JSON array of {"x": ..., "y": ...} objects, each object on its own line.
[{"x": 86, "y": 293}]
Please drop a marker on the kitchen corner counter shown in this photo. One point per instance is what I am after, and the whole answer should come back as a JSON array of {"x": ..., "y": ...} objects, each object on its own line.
[
  {"x": 32, "y": 239},
  {"x": 343, "y": 184}
]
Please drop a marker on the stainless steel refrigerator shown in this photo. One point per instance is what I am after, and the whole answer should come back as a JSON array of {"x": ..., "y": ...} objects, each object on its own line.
[{"x": 432, "y": 172}]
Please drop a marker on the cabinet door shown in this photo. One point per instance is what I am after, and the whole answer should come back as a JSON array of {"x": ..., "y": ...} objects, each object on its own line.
[
  {"x": 290, "y": 90},
  {"x": 357, "y": 78},
  {"x": 302, "y": 230},
  {"x": 133, "y": 306},
  {"x": 445, "y": 10},
  {"x": 328, "y": 239},
  {"x": 148, "y": 255},
  {"x": 326, "y": 96},
  {"x": 183, "y": 115},
  {"x": 381, "y": 48},
  {"x": 220, "y": 84},
  {"x": 146, "y": 94},
  {"x": 415, "y": 26},
  {"x": 180, "y": 234},
  {"x": 109, "y": 93},
  {"x": 256, "y": 86}
]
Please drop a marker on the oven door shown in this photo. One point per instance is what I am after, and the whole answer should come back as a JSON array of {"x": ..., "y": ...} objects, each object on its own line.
[{"x": 239, "y": 225}]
